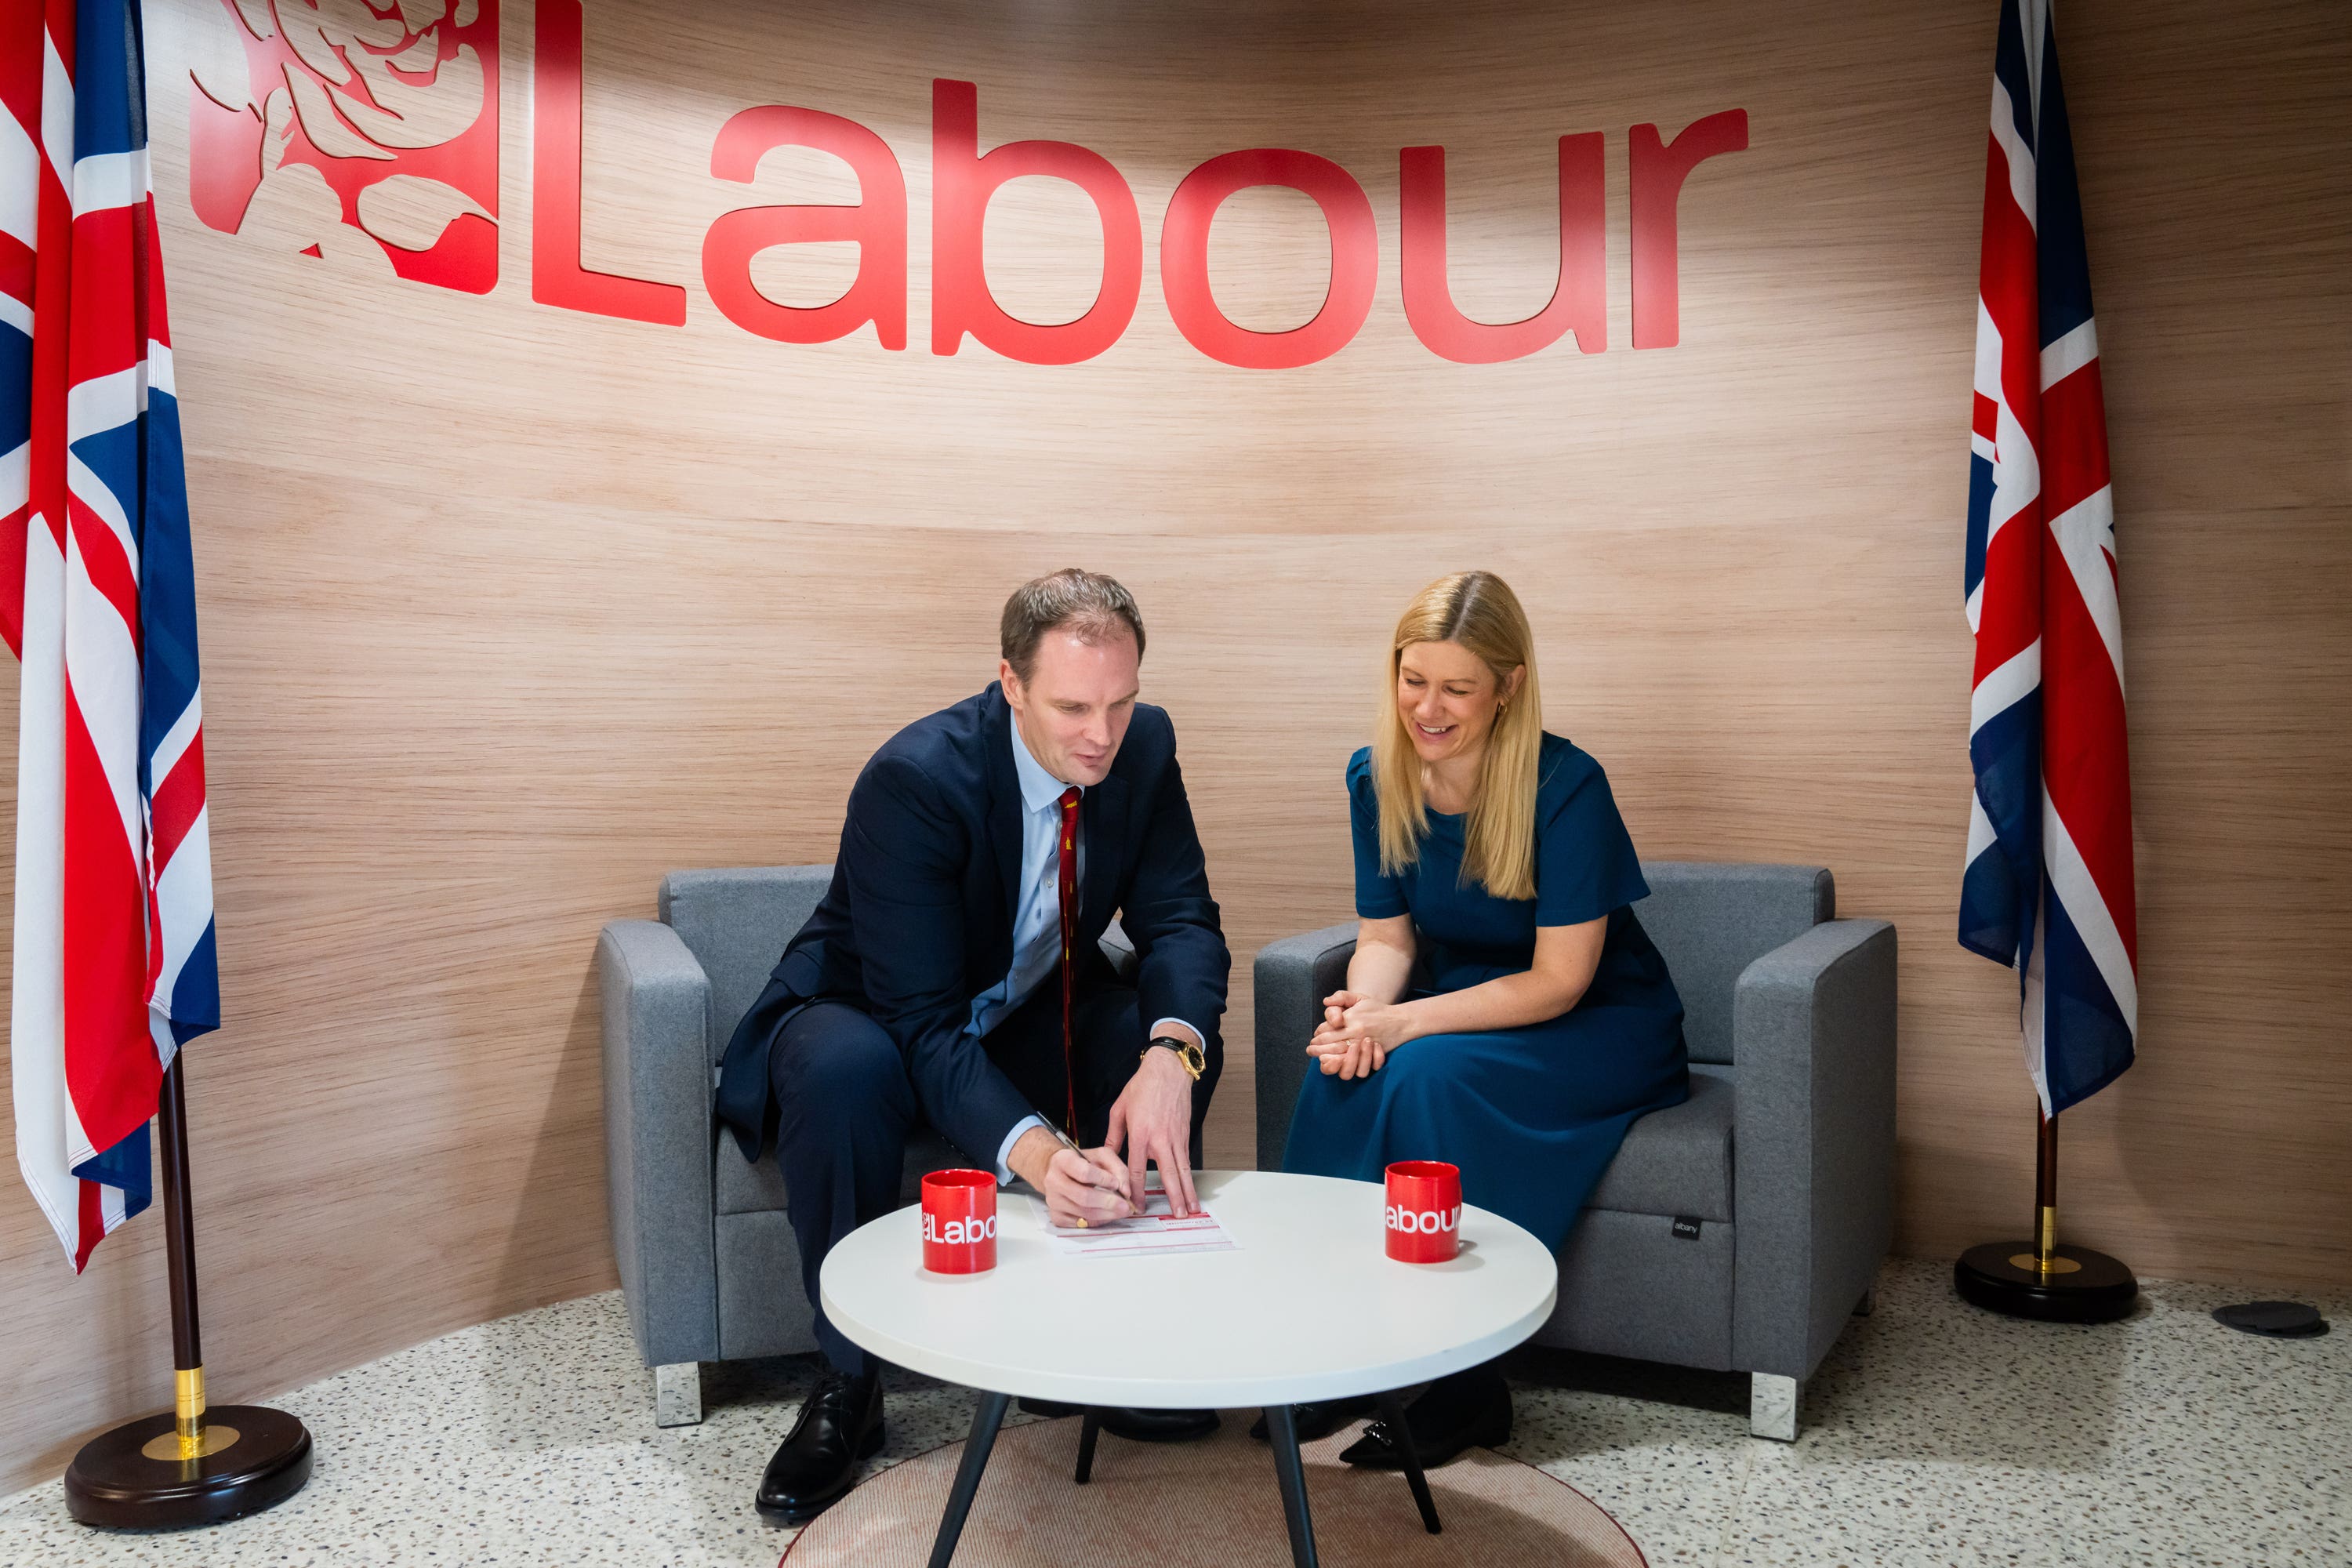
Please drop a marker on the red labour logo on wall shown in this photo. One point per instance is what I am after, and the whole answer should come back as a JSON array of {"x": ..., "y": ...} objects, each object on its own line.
[
  {"x": 368, "y": 131},
  {"x": 364, "y": 130}
]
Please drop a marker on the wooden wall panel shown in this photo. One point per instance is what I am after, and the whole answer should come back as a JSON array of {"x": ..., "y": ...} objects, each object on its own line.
[{"x": 509, "y": 609}]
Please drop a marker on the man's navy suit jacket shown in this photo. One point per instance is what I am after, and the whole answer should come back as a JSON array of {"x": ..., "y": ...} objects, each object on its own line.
[{"x": 918, "y": 919}]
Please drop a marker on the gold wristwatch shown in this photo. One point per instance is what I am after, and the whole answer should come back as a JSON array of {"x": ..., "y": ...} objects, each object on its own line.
[{"x": 1195, "y": 1064}]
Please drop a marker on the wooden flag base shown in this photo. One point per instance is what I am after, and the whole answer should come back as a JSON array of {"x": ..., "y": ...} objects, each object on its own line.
[
  {"x": 2038, "y": 1279},
  {"x": 2005, "y": 1277},
  {"x": 191, "y": 1463},
  {"x": 124, "y": 1477}
]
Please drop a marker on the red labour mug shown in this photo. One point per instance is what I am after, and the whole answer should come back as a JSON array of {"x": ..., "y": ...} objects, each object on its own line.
[
  {"x": 1424, "y": 1214},
  {"x": 959, "y": 1222}
]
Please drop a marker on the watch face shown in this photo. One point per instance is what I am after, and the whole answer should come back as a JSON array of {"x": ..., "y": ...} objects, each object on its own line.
[{"x": 1195, "y": 1063}]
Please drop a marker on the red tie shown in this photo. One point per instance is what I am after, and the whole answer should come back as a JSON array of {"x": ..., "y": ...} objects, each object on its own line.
[{"x": 1069, "y": 888}]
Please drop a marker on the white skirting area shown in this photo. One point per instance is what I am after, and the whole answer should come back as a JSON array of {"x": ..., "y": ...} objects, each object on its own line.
[{"x": 1935, "y": 1434}]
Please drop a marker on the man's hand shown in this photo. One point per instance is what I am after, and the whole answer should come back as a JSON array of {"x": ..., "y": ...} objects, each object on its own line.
[
  {"x": 1152, "y": 1120},
  {"x": 1092, "y": 1186}
]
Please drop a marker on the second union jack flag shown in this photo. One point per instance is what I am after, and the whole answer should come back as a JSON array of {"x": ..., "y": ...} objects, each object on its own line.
[{"x": 2048, "y": 885}]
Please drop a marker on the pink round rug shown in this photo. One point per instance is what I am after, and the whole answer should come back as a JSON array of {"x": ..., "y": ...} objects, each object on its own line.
[{"x": 1212, "y": 1503}]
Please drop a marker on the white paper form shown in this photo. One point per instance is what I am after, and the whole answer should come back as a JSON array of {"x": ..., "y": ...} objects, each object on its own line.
[{"x": 1153, "y": 1231}]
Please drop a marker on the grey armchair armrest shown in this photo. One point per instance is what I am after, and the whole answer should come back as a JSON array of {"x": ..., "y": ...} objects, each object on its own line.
[
  {"x": 1291, "y": 977},
  {"x": 1814, "y": 1164},
  {"x": 657, "y": 1138}
]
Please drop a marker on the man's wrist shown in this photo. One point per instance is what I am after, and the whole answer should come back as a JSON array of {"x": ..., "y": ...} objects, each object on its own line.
[
  {"x": 1012, "y": 1135},
  {"x": 1032, "y": 1155},
  {"x": 1161, "y": 1059}
]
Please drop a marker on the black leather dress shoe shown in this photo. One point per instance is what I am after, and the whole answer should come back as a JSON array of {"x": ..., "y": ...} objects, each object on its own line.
[
  {"x": 840, "y": 1423},
  {"x": 1158, "y": 1426},
  {"x": 1468, "y": 1410},
  {"x": 1320, "y": 1418}
]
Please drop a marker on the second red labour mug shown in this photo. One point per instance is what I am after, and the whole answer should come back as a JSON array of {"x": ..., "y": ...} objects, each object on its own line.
[
  {"x": 959, "y": 1222},
  {"x": 1424, "y": 1211}
]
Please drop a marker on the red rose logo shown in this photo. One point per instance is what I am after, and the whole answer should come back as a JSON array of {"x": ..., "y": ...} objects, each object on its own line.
[{"x": 363, "y": 131}]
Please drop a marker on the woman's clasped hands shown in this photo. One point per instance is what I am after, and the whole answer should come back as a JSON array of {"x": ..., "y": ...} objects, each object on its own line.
[{"x": 1358, "y": 1033}]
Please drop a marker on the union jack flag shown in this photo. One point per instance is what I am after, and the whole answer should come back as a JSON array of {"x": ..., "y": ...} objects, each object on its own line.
[
  {"x": 114, "y": 965},
  {"x": 2048, "y": 886}
]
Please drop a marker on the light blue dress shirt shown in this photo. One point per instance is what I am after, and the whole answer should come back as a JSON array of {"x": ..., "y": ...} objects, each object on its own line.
[{"x": 1037, "y": 917}]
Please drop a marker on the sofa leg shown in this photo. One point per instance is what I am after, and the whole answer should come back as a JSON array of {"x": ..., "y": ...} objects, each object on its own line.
[
  {"x": 1772, "y": 1405},
  {"x": 1868, "y": 1304},
  {"x": 677, "y": 1394}
]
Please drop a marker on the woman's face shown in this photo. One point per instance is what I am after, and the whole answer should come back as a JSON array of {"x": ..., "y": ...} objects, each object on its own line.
[{"x": 1446, "y": 697}]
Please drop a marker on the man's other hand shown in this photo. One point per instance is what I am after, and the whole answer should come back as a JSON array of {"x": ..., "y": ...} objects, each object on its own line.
[{"x": 1152, "y": 1120}]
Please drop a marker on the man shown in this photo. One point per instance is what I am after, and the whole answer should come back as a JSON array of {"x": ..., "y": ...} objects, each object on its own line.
[{"x": 986, "y": 849}]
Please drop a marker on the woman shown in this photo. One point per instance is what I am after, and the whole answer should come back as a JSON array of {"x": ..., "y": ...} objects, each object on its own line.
[{"x": 1504, "y": 1010}]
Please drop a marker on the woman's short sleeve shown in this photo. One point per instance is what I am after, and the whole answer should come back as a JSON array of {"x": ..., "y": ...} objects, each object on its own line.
[
  {"x": 1585, "y": 863},
  {"x": 1379, "y": 896}
]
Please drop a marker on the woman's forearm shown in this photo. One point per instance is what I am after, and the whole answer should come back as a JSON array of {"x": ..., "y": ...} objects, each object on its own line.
[
  {"x": 1508, "y": 1002},
  {"x": 1380, "y": 970}
]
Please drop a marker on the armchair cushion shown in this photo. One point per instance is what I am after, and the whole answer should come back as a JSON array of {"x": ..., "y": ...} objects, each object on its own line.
[
  {"x": 742, "y": 1186},
  {"x": 1676, "y": 1162}
]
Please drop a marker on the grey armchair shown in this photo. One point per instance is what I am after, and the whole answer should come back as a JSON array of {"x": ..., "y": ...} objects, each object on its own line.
[
  {"x": 1737, "y": 1230},
  {"x": 708, "y": 1262}
]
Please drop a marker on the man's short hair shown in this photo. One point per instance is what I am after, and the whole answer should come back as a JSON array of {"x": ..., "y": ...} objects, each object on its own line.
[{"x": 1090, "y": 607}]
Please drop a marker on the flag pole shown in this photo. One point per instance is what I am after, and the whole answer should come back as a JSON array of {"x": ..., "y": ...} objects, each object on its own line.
[
  {"x": 2038, "y": 1279},
  {"x": 197, "y": 1464},
  {"x": 2046, "y": 1261}
]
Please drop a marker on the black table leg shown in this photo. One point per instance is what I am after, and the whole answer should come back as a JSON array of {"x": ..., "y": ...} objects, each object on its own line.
[
  {"x": 1087, "y": 1431},
  {"x": 1392, "y": 1412},
  {"x": 984, "y": 1422},
  {"x": 1283, "y": 1432}
]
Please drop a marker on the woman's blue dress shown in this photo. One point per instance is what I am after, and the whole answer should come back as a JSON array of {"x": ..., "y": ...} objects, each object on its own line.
[{"x": 1531, "y": 1115}]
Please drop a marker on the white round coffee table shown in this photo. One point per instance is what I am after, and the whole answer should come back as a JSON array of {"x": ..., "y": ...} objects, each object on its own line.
[{"x": 1307, "y": 1306}]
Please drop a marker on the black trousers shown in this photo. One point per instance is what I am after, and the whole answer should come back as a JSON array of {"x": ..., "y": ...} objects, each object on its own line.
[{"x": 845, "y": 1105}]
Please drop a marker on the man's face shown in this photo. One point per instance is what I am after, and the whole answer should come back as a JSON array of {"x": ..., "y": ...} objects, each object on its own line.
[{"x": 1073, "y": 708}]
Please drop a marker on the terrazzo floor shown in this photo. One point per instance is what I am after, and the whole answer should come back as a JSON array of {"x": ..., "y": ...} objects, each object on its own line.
[{"x": 1934, "y": 1434}]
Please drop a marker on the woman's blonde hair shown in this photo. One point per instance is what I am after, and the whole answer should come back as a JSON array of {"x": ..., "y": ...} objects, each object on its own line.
[{"x": 1477, "y": 610}]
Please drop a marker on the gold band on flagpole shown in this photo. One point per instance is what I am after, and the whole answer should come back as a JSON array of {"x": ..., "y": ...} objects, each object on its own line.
[
  {"x": 188, "y": 1406},
  {"x": 2044, "y": 1260},
  {"x": 191, "y": 1436}
]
